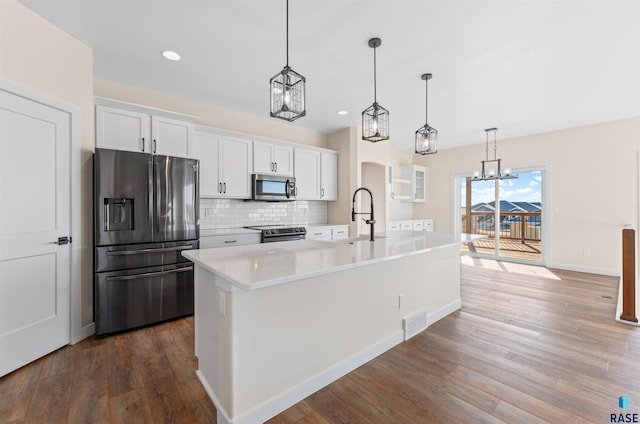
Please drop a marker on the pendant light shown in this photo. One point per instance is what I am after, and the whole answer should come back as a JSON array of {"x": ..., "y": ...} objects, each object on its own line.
[
  {"x": 375, "y": 119},
  {"x": 492, "y": 174},
  {"x": 287, "y": 90},
  {"x": 426, "y": 136}
]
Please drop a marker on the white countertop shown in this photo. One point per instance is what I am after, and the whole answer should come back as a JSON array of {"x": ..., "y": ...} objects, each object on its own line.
[{"x": 262, "y": 265}]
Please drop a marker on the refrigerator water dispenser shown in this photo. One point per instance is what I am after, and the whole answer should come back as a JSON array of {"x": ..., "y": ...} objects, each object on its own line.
[{"x": 118, "y": 214}]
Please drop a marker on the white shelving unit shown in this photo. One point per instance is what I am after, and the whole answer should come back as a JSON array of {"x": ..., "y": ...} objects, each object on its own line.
[{"x": 395, "y": 186}]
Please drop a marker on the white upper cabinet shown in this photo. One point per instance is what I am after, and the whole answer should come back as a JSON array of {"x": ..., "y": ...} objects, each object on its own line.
[
  {"x": 272, "y": 158},
  {"x": 235, "y": 167},
  {"x": 329, "y": 176},
  {"x": 316, "y": 172},
  {"x": 225, "y": 164},
  {"x": 417, "y": 176},
  {"x": 125, "y": 126},
  {"x": 120, "y": 129},
  {"x": 307, "y": 173},
  {"x": 171, "y": 137},
  {"x": 207, "y": 150}
]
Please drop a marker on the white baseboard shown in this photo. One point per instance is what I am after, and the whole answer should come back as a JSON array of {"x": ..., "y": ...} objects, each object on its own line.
[
  {"x": 288, "y": 398},
  {"x": 443, "y": 312},
  {"x": 588, "y": 270},
  {"x": 86, "y": 331},
  {"x": 222, "y": 417}
]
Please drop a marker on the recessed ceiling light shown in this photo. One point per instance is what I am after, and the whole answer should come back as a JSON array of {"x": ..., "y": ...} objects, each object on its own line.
[
  {"x": 343, "y": 112},
  {"x": 171, "y": 55}
]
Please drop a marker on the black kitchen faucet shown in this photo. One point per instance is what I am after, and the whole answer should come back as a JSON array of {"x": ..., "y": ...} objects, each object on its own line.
[{"x": 371, "y": 221}]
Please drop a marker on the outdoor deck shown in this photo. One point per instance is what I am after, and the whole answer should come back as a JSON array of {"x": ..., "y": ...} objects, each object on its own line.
[
  {"x": 529, "y": 250},
  {"x": 520, "y": 234}
]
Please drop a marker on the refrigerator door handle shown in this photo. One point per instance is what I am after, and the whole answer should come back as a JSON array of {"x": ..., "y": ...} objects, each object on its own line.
[
  {"x": 149, "y": 274},
  {"x": 135, "y": 252}
]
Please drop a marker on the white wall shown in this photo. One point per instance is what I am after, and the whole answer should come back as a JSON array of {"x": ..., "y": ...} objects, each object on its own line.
[
  {"x": 594, "y": 187},
  {"x": 40, "y": 57}
]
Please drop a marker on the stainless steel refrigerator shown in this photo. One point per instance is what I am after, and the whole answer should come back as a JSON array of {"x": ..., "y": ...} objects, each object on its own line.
[{"x": 146, "y": 213}]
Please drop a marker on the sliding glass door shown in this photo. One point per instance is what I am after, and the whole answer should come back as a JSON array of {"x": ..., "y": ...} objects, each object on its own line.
[{"x": 507, "y": 212}]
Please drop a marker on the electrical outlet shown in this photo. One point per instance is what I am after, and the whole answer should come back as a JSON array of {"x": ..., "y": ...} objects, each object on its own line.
[{"x": 401, "y": 301}]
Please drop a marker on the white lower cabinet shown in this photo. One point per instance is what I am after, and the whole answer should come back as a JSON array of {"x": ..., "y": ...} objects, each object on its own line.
[
  {"x": 339, "y": 232},
  {"x": 428, "y": 225},
  {"x": 327, "y": 232},
  {"x": 412, "y": 225},
  {"x": 319, "y": 233},
  {"x": 228, "y": 240}
]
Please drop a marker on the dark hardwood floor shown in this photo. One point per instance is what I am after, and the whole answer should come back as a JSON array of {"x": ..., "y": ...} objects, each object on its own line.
[{"x": 529, "y": 345}]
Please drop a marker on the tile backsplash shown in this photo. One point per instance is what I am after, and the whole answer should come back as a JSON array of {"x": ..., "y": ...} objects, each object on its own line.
[{"x": 229, "y": 213}]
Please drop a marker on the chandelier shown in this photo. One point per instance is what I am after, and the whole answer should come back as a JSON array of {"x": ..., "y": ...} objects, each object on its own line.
[{"x": 492, "y": 174}]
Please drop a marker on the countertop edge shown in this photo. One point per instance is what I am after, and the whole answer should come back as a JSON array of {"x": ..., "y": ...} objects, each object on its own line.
[{"x": 192, "y": 255}]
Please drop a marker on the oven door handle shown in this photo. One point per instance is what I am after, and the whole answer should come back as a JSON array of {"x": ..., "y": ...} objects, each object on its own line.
[
  {"x": 149, "y": 274},
  {"x": 283, "y": 238},
  {"x": 150, "y": 250}
]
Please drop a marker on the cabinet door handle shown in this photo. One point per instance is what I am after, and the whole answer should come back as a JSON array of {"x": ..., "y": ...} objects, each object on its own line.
[
  {"x": 273, "y": 167},
  {"x": 219, "y": 187},
  {"x": 276, "y": 164},
  {"x": 225, "y": 187},
  {"x": 230, "y": 241},
  {"x": 155, "y": 144},
  {"x": 143, "y": 144},
  {"x": 321, "y": 192}
]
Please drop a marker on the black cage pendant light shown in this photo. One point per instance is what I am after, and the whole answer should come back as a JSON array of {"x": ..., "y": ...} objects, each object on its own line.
[
  {"x": 426, "y": 136},
  {"x": 287, "y": 90},
  {"x": 375, "y": 118}
]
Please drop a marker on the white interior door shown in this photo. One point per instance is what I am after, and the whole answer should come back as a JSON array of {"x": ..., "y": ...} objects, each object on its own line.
[{"x": 34, "y": 214}]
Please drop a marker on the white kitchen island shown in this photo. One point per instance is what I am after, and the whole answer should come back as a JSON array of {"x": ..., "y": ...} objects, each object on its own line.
[{"x": 276, "y": 322}]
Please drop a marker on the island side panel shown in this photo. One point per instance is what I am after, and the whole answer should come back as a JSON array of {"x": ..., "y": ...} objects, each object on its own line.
[
  {"x": 212, "y": 340},
  {"x": 287, "y": 335}
]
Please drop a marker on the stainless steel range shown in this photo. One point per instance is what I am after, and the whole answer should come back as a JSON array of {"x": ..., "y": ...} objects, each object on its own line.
[{"x": 273, "y": 233}]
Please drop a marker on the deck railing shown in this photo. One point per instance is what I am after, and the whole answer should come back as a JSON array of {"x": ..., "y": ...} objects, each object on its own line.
[{"x": 523, "y": 226}]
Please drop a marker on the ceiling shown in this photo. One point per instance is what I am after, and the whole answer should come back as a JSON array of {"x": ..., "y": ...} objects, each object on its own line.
[{"x": 522, "y": 66}]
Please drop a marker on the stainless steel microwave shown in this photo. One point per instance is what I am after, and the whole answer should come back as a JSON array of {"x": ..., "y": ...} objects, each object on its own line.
[{"x": 273, "y": 188}]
